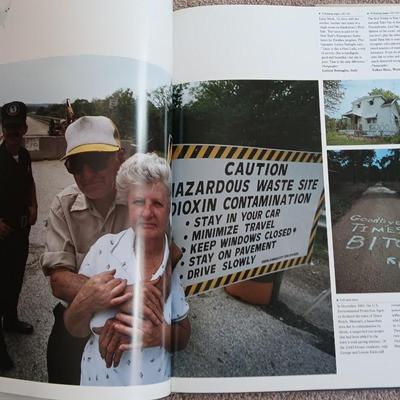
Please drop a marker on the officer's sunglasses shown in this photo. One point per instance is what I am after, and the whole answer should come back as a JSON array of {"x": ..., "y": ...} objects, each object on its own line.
[{"x": 95, "y": 161}]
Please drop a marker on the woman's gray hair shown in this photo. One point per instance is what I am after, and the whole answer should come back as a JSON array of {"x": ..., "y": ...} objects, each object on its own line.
[{"x": 142, "y": 168}]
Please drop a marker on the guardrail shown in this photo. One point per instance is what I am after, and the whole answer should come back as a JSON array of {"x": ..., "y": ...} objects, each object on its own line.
[{"x": 45, "y": 118}]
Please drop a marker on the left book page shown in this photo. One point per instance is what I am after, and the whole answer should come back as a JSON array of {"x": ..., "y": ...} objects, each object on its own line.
[{"x": 87, "y": 83}]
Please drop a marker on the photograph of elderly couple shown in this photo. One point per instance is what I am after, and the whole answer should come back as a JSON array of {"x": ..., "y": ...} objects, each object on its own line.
[
  {"x": 90, "y": 295},
  {"x": 86, "y": 209}
]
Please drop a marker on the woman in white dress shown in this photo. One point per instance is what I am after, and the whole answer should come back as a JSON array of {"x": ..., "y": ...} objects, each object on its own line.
[{"x": 136, "y": 263}]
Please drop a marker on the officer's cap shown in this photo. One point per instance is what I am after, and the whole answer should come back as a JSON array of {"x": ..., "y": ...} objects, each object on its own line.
[
  {"x": 91, "y": 134},
  {"x": 13, "y": 114}
]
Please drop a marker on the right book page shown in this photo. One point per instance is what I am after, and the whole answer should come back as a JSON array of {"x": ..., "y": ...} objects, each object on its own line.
[{"x": 286, "y": 196}]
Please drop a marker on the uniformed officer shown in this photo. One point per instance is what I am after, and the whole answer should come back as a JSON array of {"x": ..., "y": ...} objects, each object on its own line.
[{"x": 18, "y": 211}]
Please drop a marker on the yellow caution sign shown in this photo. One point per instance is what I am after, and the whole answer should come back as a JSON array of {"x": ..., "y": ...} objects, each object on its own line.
[{"x": 232, "y": 232}]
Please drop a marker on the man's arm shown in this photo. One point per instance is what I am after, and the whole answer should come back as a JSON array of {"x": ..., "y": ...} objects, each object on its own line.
[
  {"x": 95, "y": 295},
  {"x": 66, "y": 284},
  {"x": 59, "y": 258},
  {"x": 125, "y": 332},
  {"x": 60, "y": 250},
  {"x": 172, "y": 337}
]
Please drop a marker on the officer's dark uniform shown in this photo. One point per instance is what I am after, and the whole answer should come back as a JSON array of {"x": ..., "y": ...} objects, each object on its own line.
[
  {"x": 16, "y": 194},
  {"x": 16, "y": 185}
]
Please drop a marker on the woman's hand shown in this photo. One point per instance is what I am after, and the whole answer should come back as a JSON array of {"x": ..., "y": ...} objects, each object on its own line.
[
  {"x": 125, "y": 332},
  {"x": 142, "y": 333},
  {"x": 149, "y": 299},
  {"x": 109, "y": 343}
]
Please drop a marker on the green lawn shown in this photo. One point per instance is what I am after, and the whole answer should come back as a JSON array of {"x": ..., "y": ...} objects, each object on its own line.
[{"x": 336, "y": 138}]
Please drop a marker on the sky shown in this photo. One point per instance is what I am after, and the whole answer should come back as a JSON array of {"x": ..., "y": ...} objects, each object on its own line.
[
  {"x": 52, "y": 80},
  {"x": 355, "y": 89},
  {"x": 379, "y": 154}
]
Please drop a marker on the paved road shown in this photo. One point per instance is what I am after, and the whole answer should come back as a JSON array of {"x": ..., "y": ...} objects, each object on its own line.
[
  {"x": 36, "y": 127},
  {"x": 229, "y": 338},
  {"x": 367, "y": 244}
]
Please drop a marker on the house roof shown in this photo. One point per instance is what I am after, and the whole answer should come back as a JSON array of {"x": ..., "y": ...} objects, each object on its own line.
[
  {"x": 389, "y": 103},
  {"x": 350, "y": 113},
  {"x": 374, "y": 97},
  {"x": 366, "y": 98}
]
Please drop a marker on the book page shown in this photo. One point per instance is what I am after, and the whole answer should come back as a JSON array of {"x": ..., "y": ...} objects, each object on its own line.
[
  {"x": 85, "y": 88},
  {"x": 285, "y": 196}
]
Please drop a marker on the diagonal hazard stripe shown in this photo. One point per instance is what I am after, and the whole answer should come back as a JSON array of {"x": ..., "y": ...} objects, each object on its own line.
[
  {"x": 202, "y": 151},
  {"x": 226, "y": 152},
  {"x": 215, "y": 151},
  {"x": 241, "y": 276},
  {"x": 189, "y": 151},
  {"x": 176, "y": 150},
  {"x": 243, "y": 153}
]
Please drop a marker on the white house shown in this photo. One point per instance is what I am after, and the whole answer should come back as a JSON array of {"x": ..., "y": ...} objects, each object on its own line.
[{"x": 373, "y": 116}]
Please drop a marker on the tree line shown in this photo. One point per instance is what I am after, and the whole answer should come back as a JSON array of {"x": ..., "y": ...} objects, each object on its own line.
[
  {"x": 355, "y": 166},
  {"x": 260, "y": 113},
  {"x": 122, "y": 108}
]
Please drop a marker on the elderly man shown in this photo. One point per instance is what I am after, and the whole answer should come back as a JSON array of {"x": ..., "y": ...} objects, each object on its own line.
[
  {"x": 79, "y": 215},
  {"x": 18, "y": 211}
]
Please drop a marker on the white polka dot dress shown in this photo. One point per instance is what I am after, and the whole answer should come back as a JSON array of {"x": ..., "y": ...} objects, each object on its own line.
[{"x": 141, "y": 366}]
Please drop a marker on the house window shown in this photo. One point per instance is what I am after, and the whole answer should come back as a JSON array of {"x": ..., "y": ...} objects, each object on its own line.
[
  {"x": 371, "y": 102},
  {"x": 371, "y": 120},
  {"x": 359, "y": 105}
]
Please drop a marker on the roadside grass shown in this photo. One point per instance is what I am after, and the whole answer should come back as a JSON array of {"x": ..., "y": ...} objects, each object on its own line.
[
  {"x": 335, "y": 138},
  {"x": 344, "y": 197}
]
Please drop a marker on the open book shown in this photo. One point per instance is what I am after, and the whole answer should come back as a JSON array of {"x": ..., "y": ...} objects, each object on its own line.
[{"x": 250, "y": 239}]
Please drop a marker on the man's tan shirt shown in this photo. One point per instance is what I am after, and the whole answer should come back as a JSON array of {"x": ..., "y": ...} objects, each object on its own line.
[{"x": 74, "y": 225}]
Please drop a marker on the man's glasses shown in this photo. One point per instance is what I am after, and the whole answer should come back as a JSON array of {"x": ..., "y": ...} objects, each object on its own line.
[{"x": 95, "y": 161}]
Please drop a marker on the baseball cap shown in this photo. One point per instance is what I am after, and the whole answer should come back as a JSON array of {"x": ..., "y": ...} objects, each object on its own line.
[
  {"x": 13, "y": 114},
  {"x": 90, "y": 134}
]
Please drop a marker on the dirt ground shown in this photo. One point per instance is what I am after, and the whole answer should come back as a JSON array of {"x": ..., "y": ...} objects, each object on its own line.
[{"x": 366, "y": 245}]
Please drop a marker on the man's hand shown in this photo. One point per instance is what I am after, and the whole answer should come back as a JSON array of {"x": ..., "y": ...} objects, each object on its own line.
[
  {"x": 150, "y": 311},
  {"x": 103, "y": 291},
  {"x": 5, "y": 230},
  {"x": 109, "y": 343},
  {"x": 149, "y": 300},
  {"x": 32, "y": 215},
  {"x": 94, "y": 295},
  {"x": 142, "y": 333}
]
